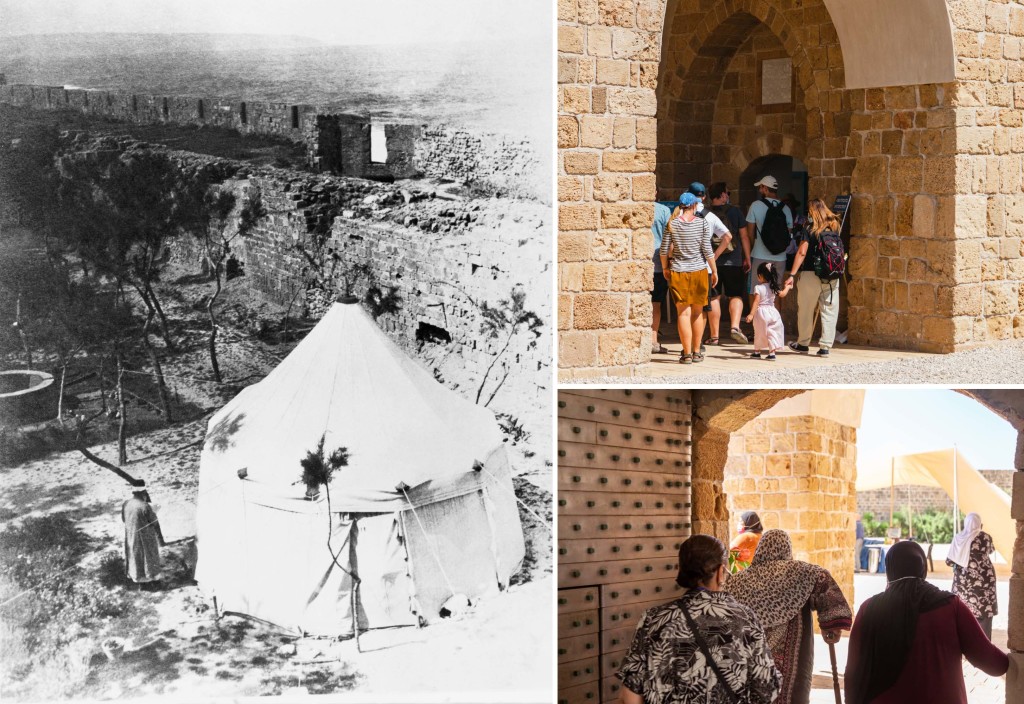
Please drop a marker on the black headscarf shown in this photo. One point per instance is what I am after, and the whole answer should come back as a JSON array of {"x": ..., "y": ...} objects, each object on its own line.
[
  {"x": 751, "y": 522},
  {"x": 888, "y": 623}
]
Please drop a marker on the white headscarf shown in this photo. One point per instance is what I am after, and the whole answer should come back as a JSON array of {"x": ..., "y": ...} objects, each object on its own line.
[{"x": 960, "y": 549}]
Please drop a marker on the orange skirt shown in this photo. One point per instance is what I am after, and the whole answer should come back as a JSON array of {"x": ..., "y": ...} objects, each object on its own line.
[{"x": 689, "y": 288}]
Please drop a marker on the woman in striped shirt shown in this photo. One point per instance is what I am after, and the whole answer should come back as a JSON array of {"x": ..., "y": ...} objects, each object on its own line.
[{"x": 686, "y": 258}]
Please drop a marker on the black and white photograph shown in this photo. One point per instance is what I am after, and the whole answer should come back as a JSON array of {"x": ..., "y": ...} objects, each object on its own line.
[{"x": 276, "y": 350}]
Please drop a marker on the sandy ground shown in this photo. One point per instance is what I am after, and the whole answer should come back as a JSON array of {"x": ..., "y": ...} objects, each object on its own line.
[{"x": 499, "y": 650}]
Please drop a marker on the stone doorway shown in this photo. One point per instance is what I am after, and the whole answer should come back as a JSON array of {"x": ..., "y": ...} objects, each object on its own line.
[{"x": 790, "y": 171}]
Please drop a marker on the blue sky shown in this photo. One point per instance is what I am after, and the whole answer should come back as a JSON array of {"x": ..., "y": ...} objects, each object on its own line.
[{"x": 918, "y": 420}]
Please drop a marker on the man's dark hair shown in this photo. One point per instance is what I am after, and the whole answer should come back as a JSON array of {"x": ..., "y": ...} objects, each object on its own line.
[
  {"x": 717, "y": 189},
  {"x": 699, "y": 557}
]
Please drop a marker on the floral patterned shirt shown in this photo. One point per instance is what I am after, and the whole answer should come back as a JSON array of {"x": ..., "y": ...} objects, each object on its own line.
[
  {"x": 976, "y": 583},
  {"x": 665, "y": 665}
]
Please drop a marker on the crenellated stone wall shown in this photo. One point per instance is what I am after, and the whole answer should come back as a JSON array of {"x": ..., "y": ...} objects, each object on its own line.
[{"x": 335, "y": 143}]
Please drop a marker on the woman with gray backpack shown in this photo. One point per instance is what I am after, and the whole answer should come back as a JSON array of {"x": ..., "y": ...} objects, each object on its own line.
[{"x": 817, "y": 267}]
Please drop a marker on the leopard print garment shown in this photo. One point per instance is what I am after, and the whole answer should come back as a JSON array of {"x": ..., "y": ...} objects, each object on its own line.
[{"x": 775, "y": 585}]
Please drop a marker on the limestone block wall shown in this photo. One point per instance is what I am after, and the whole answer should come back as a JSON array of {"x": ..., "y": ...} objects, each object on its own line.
[
  {"x": 623, "y": 510},
  {"x": 988, "y": 302},
  {"x": 607, "y": 73},
  {"x": 935, "y": 169},
  {"x": 798, "y": 473}
]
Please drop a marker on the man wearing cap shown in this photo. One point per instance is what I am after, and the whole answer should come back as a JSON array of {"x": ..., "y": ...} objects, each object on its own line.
[
  {"x": 768, "y": 190},
  {"x": 142, "y": 538},
  {"x": 720, "y": 237}
]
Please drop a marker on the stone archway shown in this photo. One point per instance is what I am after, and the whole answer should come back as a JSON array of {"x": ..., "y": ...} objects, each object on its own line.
[{"x": 920, "y": 131}]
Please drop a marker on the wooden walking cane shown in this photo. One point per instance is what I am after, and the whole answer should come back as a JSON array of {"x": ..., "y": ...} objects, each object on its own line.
[{"x": 835, "y": 672}]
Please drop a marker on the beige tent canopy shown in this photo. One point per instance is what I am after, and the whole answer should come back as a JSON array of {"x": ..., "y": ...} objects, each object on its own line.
[
  {"x": 414, "y": 516},
  {"x": 936, "y": 468}
]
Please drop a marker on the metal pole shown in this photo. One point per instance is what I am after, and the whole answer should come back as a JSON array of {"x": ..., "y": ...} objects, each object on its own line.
[
  {"x": 892, "y": 487},
  {"x": 956, "y": 496}
]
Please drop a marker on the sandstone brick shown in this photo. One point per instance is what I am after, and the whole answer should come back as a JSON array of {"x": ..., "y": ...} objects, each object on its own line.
[
  {"x": 574, "y": 99},
  {"x": 570, "y": 188},
  {"x": 577, "y": 349},
  {"x": 564, "y": 311},
  {"x": 610, "y": 246},
  {"x": 624, "y": 132},
  {"x": 632, "y": 216},
  {"x": 568, "y": 132},
  {"x": 629, "y": 161},
  {"x": 623, "y": 347},
  {"x": 595, "y": 131},
  {"x": 570, "y": 276},
  {"x": 573, "y": 246},
  {"x": 570, "y": 39},
  {"x": 632, "y": 101},
  {"x": 581, "y": 162},
  {"x": 646, "y": 133},
  {"x": 613, "y": 72},
  {"x": 632, "y": 276},
  {"x": 596, "y": 276},
  {"x": 611, "y": 188},
  {"x": 599, "y": 310},
  {"x": 567, "y": 10},
  {"x": 599, "y": 41},
  {"x": 640, "y": 311},
  {"x": 644, "y": 187},
  {"x": 578, "y": 217}
]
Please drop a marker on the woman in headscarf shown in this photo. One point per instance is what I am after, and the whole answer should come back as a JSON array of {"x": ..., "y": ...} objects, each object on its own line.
[
  {"x": 704, "y": 647},
  {"x": 745, "y": 543},
  {"x": 907, "y": 642},
  {"x": 974, "y": 577},
  {"x": 783, "y": 592}
]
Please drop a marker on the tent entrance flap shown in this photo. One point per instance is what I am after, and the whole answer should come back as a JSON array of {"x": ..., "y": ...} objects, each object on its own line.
[
  {"x": 450, "y": 551},
  {"x": 385, "y": 594}
]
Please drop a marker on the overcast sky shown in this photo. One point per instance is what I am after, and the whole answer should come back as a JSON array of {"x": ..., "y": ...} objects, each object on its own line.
[{"x": 330, "y": 21}]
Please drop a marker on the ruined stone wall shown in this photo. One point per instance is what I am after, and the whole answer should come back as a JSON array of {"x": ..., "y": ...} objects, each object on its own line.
[
  {"x": 623, "y": 510},
  {"x": 335, "y": 143},
  {"x": 496, "y": 163},
  {"x": 444, "y": 258},
  {"x": 798, "y": 473}
]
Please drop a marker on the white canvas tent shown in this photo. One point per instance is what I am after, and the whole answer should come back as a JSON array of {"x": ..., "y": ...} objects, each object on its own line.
[
  {"x": 937, "y": 469},
  {"x": 413, "y": 516}
]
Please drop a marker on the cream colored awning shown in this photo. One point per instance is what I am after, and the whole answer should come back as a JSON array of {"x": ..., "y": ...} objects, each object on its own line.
[{"x": 935, "y": 468}]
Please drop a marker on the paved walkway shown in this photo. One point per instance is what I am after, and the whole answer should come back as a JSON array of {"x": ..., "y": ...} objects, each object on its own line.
[
  {"x": 981, "y": 689},
  {"x": 730, "y": 357}
]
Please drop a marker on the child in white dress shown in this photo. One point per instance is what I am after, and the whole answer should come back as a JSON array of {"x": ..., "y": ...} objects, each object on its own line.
[{"x": 769, "y": 334}]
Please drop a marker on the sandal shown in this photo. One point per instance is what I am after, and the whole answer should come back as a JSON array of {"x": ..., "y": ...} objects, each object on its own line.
[
  {"x": 698, "y": 357},
  {"x": 686, "y": 358},
  {"x": 738, "y": 336},
  {"x": 714, "y": 341}
]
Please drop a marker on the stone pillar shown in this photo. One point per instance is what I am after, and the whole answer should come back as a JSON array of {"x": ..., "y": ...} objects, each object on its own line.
[
  {"x": 607, "y": 69},
  {"x": 798, "y": 473},
  {"x": 1015, "y": 633}
]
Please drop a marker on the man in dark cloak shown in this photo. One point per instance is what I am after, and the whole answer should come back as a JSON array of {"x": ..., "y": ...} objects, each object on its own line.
[{"x": 142, "y": 538}]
